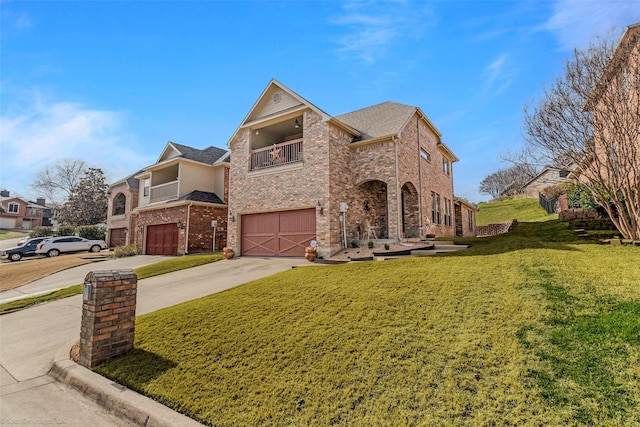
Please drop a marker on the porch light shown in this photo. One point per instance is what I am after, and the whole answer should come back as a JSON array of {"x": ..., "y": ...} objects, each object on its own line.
[
  {"x": 319, "y": 208},
  {"x": 297, "y": 124},
  {"x": 232, "y": 217}
]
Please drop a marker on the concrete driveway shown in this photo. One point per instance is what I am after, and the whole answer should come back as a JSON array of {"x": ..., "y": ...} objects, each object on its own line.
[{"x": 30, "y": 338}]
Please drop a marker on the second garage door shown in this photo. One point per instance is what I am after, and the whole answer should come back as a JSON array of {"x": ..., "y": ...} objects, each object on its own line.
[
  {"x": 285, "y": 233},
  {"x": 162, "y": 239}
]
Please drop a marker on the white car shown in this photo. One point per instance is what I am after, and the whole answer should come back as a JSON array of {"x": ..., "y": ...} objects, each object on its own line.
[{"x": 58, "y": 245}]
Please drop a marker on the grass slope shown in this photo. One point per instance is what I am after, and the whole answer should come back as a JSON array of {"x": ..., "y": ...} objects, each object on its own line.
[
  {"x": 495, "y": 212},
  {"x": 528, "y": 328}
]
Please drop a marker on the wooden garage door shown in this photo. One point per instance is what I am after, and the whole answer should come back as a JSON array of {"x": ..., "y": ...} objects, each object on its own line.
[
  {"x": 117, "y": 237},
  {"x": 285, "y": 233},
  {"x": 162, "y": 239}
]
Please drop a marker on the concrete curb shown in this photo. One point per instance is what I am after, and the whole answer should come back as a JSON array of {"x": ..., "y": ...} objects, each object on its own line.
[{"x": 113, "y": 397}]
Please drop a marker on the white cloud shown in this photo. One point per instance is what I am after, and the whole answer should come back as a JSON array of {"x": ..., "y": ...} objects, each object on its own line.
[
  {"x": 498, "y": 75},
  {"x": 42, "y": 132},
  {"x": 372, "y": 28},
  {"x": 575, "y": 22}
]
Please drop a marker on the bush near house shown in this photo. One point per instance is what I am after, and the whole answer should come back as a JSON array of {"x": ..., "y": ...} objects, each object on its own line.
[
  {"x": 91, "y": 232},
  {"x": 529, "y": 328}
]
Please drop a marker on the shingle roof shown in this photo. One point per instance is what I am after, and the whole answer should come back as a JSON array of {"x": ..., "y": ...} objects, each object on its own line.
[
  {"x": 208, "y": 155},
  {"x": 378, "y": 120},
  {"x": 202, "y": 196}
]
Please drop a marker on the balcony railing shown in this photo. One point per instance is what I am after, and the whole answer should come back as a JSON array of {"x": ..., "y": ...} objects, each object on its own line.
[
  {"x": 162, "y": 192},
  {"x": 277, "y": 155}
]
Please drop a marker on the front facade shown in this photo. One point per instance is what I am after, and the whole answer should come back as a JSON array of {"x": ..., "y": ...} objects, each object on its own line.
[
  {"x": 17, "y": 213},
  {"x": 298, "y": 174},
  {"x": 178, "y": 206},
  {"x": 123, "y": 198}
]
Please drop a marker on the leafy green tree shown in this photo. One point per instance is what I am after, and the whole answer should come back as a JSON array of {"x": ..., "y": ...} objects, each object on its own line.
[{"x": 87, "y": 202}]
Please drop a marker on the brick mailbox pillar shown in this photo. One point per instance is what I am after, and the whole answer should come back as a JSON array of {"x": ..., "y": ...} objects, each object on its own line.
[{"x": 108, "y": 315}]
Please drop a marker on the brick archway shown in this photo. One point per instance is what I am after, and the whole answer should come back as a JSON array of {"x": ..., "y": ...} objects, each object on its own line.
[{"x": 410, "y": 210}]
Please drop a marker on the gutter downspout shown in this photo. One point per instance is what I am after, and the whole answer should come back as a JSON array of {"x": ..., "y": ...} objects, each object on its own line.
[
  {"x": 419, "y": 180},
  {"x": 398, "y": 202},
  {"x": 186, "y": 241}
]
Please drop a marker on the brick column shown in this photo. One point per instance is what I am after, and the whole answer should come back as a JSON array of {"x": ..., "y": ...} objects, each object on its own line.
[{"x": 108, "y": 315}]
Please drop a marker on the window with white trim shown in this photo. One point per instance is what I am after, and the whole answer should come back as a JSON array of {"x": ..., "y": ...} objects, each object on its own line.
[
  {"x": 14, "y": 207},
  {"x": 425, "y": 154}
]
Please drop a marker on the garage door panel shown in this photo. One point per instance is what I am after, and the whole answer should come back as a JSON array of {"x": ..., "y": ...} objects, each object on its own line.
[
  {"x": 162, "y": 239},
  {"x": 285, "y": 233}
]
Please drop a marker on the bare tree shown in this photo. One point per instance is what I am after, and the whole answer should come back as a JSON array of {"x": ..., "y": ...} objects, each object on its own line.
[
  {"x": 508, "y": 181},
  {"x": 590, "y": 116},
  {"x": 56, "y": 181}
]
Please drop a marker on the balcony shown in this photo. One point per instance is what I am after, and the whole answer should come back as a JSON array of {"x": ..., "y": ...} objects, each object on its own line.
[
  {"x": 162, "y": 192},
  {"x": 276, "y": 155}
]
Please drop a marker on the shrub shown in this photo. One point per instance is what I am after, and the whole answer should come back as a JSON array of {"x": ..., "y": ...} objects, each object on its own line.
[
  {"x": 386, "y": 246},
  {"x": 370, "y": 244},
  {"x": 354, "y": 244},
  {"x": 41, "y": 232},
  {"x": 91, "y": 232},
  {"x": 123, "y": 251},
  {"x": 66, "y": 230}
]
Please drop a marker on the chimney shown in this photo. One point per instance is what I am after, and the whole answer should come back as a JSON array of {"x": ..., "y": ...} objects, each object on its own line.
[
  {"x": 40, "y": 201},
  {"x": 4, "y": 193}
]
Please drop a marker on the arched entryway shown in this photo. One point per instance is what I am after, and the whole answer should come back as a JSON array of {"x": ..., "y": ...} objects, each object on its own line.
[
  {"x": 369, "y": 204},
  {"x": 410, "y": 211}
]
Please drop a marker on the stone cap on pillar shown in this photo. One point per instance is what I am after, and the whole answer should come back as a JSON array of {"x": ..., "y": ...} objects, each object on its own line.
[{"x": 110, "y": 275}]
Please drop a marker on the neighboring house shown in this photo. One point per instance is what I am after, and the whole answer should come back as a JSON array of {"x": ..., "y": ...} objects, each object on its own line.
[
  {"x": 178, "y": 198},
  {"x": 123, "y": 198},
  {"x": 548, "y": 177},
  {"x": 295, "y": 169},
  {"x": 18, "y": 213},
  {"x": 48, "y": 213},
  {"x": 465, "y": 217}
]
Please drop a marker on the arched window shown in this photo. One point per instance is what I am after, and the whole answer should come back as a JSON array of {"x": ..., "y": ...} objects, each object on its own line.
[{"x": 118, "y": 204}]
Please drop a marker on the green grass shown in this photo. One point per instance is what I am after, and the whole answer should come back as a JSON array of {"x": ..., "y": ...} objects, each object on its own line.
[
  {"x": 10, "y": 235},
  {"x": 530, "y": 328},
  {"x": 496, "y": 212},
  {"x": 31, "y": 301},
  {"x": 156, "y": 269}
]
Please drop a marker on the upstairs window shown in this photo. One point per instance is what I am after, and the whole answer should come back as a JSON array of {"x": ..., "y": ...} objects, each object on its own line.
[
  {"x": 119, "y": 204},
  {"x": 425, "y": 154},
  {"x": 14, "y": 207},
  {"x": 147, "y": 186},
  {"x": 446, "y": 166}
]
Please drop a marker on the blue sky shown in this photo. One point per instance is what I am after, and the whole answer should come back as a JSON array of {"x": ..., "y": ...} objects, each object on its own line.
[{"x": 111, "y": 82}]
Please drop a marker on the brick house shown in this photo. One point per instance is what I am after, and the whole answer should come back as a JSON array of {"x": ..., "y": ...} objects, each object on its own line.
[
  {"x": 465, "y": 217},
  {"x": 18, "y": 213},
  {"x": 171, "y": 208},
  {"x": 299, "y": 174},
  {"x": 123, "y": 198}
]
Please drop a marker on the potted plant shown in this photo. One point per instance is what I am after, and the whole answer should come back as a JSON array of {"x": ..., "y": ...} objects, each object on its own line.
[
  {"x": 310, "y": 253},
  {"x": 227, "y": 251}
]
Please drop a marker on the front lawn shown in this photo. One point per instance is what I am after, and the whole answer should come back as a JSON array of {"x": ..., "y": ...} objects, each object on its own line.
[{"x": 530, "y": 328}]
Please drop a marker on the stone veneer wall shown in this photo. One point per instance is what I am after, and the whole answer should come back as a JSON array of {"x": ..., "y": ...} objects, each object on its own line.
[{"x": 495, "y": 229}]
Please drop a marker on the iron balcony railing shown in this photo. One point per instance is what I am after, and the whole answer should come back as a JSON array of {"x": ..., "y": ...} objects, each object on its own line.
[{"x": 277, "y": 155}]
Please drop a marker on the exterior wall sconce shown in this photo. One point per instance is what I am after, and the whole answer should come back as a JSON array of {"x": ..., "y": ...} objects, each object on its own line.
[
  {"x": 257, "y": 132},
  {"x": 297, "y": 124},
  {"x": 232, "y": 217},
  {"x": 139, "y": 227},
  {"x": 320, "y": 208},
  {"x": 180, "y": 225}
]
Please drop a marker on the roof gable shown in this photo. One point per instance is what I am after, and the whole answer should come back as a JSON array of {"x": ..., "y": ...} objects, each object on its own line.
[{"x": 174, "y": 150}]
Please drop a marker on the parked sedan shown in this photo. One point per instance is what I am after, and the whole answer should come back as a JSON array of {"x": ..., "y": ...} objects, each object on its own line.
[
  {"x": 57, "y": 245},
  {"x": 26, "y": 249}
]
